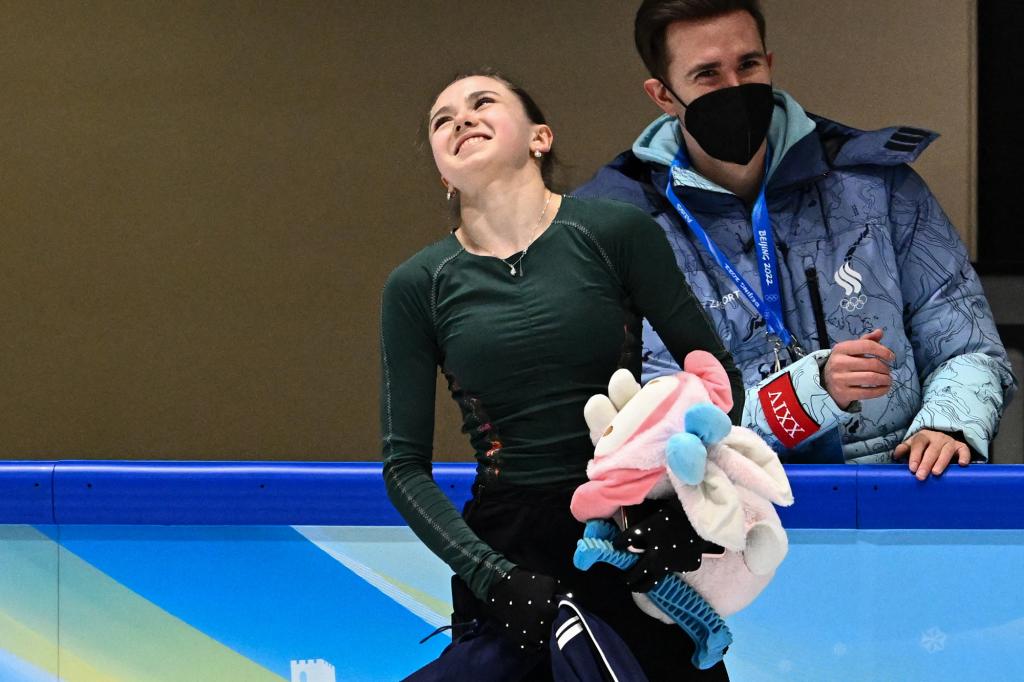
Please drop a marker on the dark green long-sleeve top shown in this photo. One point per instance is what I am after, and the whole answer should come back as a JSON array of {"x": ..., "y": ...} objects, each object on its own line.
[{"x": 522, "y": 355}]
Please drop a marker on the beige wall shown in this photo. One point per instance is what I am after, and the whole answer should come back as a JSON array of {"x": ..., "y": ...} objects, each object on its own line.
[
  {"x": 876, "y": 63},
  {"x": 199, "y": 201}
]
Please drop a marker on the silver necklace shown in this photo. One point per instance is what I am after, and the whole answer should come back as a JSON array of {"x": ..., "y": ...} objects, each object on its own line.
[{"x": 516, "y": 268}]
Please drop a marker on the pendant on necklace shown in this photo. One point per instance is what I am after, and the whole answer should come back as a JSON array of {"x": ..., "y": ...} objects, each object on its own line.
[{"x": 512, "y": 270}]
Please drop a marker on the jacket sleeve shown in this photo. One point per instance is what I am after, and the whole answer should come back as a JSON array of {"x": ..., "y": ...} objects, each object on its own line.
[
  {"x": 791, "y": 409},
  {"x": 409, "y": 360},
  {"x": 966, "y": 375}
]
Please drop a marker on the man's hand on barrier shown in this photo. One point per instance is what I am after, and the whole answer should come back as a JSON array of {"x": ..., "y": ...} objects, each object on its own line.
[
  {"x": 932, "y": 451},
  {"x": 858, "y": 369}
]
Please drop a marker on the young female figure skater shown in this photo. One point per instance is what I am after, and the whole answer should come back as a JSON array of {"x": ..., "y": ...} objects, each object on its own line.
[{"x": 528, "y": 307}]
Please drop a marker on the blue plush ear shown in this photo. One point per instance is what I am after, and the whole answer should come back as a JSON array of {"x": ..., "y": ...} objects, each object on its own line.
[
  {"x": 686, "y": 457},
  {"x": 708, "y": 423}
]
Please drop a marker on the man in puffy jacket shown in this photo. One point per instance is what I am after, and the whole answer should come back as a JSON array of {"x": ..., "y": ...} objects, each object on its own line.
[{"x": 824, "y": 262}]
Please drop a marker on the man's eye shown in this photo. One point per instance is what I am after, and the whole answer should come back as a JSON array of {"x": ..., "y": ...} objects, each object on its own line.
[
  {"x": 750, "y": 64},
  {"x": 706, "y": 73}
]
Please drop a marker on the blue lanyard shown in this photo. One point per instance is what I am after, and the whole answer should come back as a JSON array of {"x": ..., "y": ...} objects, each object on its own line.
[{"x": 770, "y": 307}]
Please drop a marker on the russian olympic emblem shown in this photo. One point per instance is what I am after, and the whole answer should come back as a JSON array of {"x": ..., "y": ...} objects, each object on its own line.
[
  {"x": 850, "y": 280},
  {"x": 853, "y": 303}
]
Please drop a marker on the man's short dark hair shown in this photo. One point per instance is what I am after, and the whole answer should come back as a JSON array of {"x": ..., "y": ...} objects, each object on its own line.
[{"x": 654, "y": 16}]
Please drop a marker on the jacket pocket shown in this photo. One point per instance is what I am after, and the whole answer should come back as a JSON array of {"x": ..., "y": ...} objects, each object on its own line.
[{"x": 814, "y": 292}]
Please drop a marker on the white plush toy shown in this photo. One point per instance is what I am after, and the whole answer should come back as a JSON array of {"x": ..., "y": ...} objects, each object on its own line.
[{"x": 672, "y": 437}]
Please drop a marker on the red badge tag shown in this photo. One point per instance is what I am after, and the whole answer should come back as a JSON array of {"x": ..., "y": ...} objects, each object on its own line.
[{"x": 786, "y": 416}]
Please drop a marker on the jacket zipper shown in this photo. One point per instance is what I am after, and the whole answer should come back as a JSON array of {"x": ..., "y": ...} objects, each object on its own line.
[{"x": 824, "y": 342}]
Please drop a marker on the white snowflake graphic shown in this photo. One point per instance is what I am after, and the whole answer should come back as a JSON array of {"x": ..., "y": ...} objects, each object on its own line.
[
  {"x": 839, "y": 649},
  {"x": 933, "y": 640}
]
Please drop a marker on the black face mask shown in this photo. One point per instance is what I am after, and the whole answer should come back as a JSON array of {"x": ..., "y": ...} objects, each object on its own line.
[{"x": 730, "y": 123}]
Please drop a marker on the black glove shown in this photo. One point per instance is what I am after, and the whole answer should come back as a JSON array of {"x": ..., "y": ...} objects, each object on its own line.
[
  {"x": 523, "y": 605},
  {"x": 665, "y": 542}
]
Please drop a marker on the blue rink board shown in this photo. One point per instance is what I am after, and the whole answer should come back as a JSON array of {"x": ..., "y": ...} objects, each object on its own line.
[
  {"x": 859, "y": 603},
  {"x": 845, "y": 605},
  {"x": 216, "y": 578},
  {"x": 887, "y": 605}
]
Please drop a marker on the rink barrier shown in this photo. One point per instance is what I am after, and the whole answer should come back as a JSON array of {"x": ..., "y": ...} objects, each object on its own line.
[{"x": 352, "y": 494}]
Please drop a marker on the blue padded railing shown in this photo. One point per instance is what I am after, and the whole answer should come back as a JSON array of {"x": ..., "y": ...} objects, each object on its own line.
[{"x": 352, "y": 494}]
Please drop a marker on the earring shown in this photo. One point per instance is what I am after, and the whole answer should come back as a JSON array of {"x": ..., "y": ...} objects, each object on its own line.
[
  {"x": 537, "y": 153},
  {"x": 449, "y": 191}
]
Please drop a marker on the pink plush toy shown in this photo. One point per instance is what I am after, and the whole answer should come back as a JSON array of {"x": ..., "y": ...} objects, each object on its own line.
[{"x": 672, "y": 437}]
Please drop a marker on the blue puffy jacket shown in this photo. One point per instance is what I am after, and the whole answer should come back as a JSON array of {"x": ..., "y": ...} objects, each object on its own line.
[{"x": 862, "y": 244}]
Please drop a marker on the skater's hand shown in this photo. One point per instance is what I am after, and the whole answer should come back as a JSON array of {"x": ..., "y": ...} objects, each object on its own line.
[
  {"x": 665, "y": 542},
  {"x": 523, "y": 605}
]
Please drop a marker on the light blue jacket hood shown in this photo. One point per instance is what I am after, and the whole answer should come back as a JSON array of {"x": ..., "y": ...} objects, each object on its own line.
[{"x": 660, "y": 141}]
